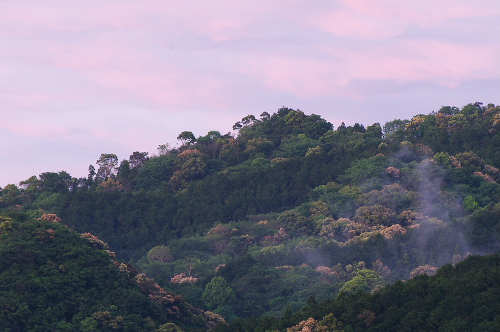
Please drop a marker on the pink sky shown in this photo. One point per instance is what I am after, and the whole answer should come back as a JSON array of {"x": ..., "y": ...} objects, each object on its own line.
[{"x": 81, "y": 78}]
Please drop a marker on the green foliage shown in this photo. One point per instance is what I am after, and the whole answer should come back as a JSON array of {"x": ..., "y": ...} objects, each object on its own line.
[
  {"x": 218, "y": 293},
  {"x": 155, "y": 171},
  {"x": 296, "y": 223},
  {"x": 169, "y": 327},
  {"x": 52, "y": 279},
  {"x": 470, "y": 203},
  {"x": 296, "y": 146},
  {"x": 107, "y": 163},
  {"x": 484, "y": 227},
  {"x": 461, "y": 297},
  {"x": 161, "y": 254},
  {"x": 363, "y": 169},
  {"x": 283, "y": 210},
  {"x": 364, "y": 281}
]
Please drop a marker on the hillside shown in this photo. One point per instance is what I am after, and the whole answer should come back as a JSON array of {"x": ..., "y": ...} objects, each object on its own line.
[
  {"x": 290, "y": 207},
  {"x": 54, "y": 279},
  {"x": 463, "y": 297}
]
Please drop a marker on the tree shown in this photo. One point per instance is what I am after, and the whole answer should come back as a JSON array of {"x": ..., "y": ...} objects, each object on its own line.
[
  {"x": 212, "y": 143},
  {"x": 470, "y": 203},
  {"x": 161, "y": 254},
  {"x": 11, "y": 195},
  {"x": 163, "y": 149},
  {"x": 191, "y": 165},
  {"x": 424, "y": 269},
  {"x": 365, "y": 280},
  {"x": 107, "y": 163},
  {"x": 297, "y": 146},
  {"x": 137, "y": 159},
  {"x": 31, "y": 186},
  {"x": 55, "y": 182},
  {"x": 187, "y": 138},
  {"x": 169, "y": 327},
  {"x": 296, "y": 222},
  {"x": 189, "y": 263},
  {"x": 91, "y": 176},
  {"x": 395, "y": 130},
  {"x": 258, "y": 147},
  {"x": 123, "y": 172},
  {"x": 218, "y": 293},
  {"x": 375, "y": 215}
]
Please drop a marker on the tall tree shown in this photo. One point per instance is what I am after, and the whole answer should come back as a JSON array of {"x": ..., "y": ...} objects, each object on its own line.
[{"x": 107, "y": 163}]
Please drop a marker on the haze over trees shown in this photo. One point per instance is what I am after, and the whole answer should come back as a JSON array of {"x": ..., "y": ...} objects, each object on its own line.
[{"x": 292, "y": 213}]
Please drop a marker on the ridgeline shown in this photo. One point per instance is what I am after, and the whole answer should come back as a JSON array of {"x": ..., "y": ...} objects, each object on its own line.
[{"x": 288, "y": 222}]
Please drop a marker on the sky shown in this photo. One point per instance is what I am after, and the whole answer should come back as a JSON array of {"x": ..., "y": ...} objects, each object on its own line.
[{"x": 81, "y": 78}]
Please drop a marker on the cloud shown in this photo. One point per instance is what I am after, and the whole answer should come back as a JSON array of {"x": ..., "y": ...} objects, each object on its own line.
[{"x": 127, "y": 75}]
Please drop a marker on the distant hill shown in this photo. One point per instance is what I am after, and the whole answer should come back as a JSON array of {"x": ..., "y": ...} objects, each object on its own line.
[{"x": 286, "y": 211}]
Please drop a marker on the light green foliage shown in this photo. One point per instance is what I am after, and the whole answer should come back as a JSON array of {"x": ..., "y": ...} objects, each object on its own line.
[
  {"x": 364, "y": 169},
  {"x": 193, "y": 167},
  {"x": 331, "y": 324},
  {"x": 190, "y": 165},
  {"x": 365, "y": 280},
  {"x": 89, "y": 324},
  {"x": 394, "y": 130},
  {"x": 296, "y": 146},
  {"x": 11, "y": 195},
  {"x": 443, "y": 158},
  {"x": 325, "y": 190},
  {"x": 169, "y": 327},
  {"x": 258, "y": 147},
  {"x": 218, "y": 293},
  {"x": 273, "y": 255},
  {"x": 470, "y": 203},
  {"x": 161, "y": 254},
  {"x": 315, "y": 153},
  {"x": 319, "y": 209},
  {"x": 155, "y": 171},
  {"x": 32, "y": 186},
  {"x": 352, "y": 192},
  {"x": 296, "y": 223},
  {"x": 259, "y": 162},
  {"x": 49, "y": 201},
  {"x": 310, "y": 243}
]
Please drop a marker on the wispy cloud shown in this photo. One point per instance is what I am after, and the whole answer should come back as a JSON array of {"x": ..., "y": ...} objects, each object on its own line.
[{"x": 128, "y": 76}]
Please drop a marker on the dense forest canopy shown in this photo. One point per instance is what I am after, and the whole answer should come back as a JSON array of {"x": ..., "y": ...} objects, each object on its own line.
[
  {"x": 54, "y": 279},
  {"x": 290, "y": 207}
]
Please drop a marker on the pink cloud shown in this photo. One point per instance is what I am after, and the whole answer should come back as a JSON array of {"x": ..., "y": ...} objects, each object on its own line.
[
  {"x": 98, "y": 71},
  {"x": 388, "y": 18},
  {"x": 424, "y": 13},
  {"x": 423, "y": 60}
]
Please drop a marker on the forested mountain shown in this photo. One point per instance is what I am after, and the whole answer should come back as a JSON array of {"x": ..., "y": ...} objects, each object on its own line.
[{"x": 288, "y": 208}]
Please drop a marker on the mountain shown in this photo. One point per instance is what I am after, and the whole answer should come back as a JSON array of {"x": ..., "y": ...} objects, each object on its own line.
[{"x": 289, "y": 210}]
